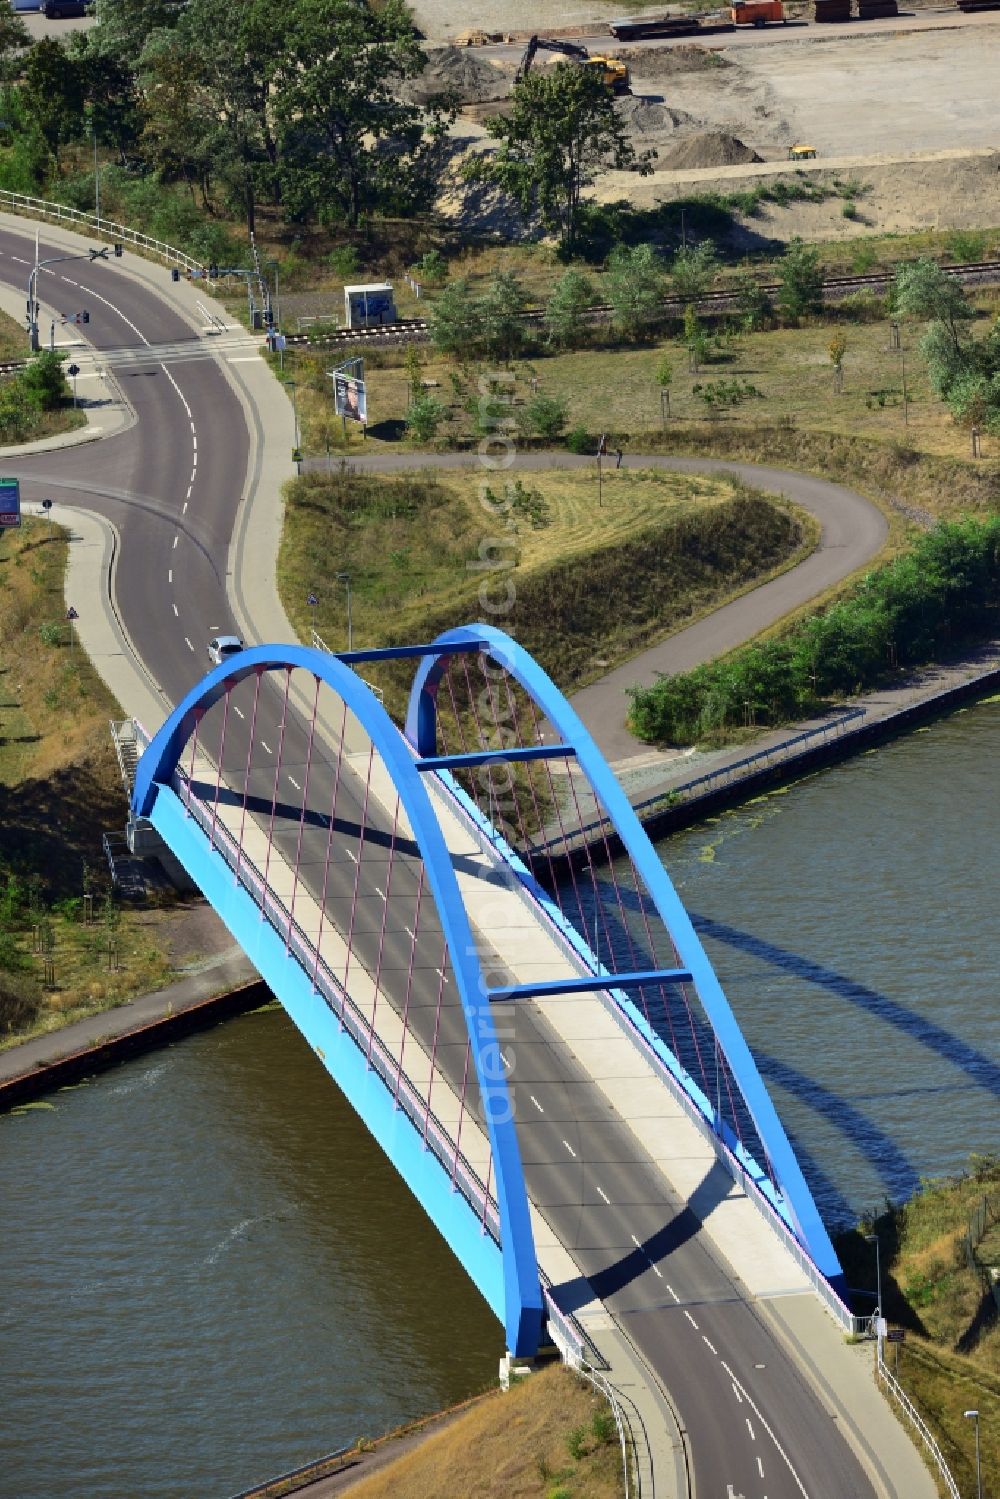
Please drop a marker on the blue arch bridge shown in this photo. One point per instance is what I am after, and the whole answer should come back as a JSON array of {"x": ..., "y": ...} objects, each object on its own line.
[{"x": 448, "y": 910}]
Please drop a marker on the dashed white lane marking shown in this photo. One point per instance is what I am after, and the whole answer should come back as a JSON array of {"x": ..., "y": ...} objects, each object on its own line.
[
  {"x": 605, "y": 1196},
  {"x": 736, "y": 1392},
  {"x": 570, "y": 1149},
  {"x": 352, "y": 856},
  {"x": 192, "y": 426},
  {"x": 170, "y": 575},
  {"x": 536, "y": 1103},
  {"x": 710, "y": 1346},
  {"x": 740, "y": 1392},
  {"x": 189, "y": 488},
  {"x": 176, "y": 611},
  {"x": 295, "y": 783},
  {"x": 194, "y": 473},
  {"x": 184, "y": 508},
  {"x": 19, "y": 260},
  {"x": 750, "y": 1430},
  {"x": 655, "y": 1269},
  {"x": 760, "y": 1467},
  {"x": 691, "y": 1319},
  {"x": 176, "y": 540},
  {"x": 674, "y": 1295},
  {"x": 412, "y": 938},
  {"x": 239, "y": 712},
  {"x": 188, "y": 643},
  {"x": 267, "y": 747},
  {"x": 379, "y": 891},
  {"x": 504, "y": 1060},
  {"x": 441, "y": 974}
]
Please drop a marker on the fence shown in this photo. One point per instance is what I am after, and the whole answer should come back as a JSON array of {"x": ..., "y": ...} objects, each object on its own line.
[
  {"x": 43, "y": 208},
  {"x": 982, "y": 1217},
  {"x": 895, "y": 1390}
]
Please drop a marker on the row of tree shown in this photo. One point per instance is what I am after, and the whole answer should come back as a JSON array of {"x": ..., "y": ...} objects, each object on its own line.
[
  {"x": 964, "y": 370},
  {"x": 938, "y": 595},
  {"x": 301, "y": 103}
]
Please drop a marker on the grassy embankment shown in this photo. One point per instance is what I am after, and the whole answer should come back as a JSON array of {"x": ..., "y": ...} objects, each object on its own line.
[
  {"x": 59, "y": 790},
  {"x": 950, "y": 1360},
  {"x": 550, "y": 1437},
  {"x": 591, "y": 585}
]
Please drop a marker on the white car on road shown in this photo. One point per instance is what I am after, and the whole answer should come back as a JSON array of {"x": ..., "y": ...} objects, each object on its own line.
[{"x": 222, "y": 647}]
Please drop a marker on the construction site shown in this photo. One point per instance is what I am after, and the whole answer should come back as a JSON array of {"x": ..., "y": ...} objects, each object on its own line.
[{"x": 903, "y": 107}]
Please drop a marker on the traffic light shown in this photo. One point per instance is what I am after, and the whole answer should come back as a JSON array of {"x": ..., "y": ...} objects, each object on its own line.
[
  {"x": 85, "y": 317},
  {"x": 175, "y": 274},
  {"x": 119, "y": 251}
]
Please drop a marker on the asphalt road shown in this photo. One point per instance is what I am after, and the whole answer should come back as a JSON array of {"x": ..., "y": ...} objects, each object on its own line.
[{"x": 172, "y": 485}]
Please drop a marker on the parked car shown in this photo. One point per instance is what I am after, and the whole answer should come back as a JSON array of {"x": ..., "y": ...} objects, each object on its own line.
[
  {"x": 222, "y": 647},
  {"x": 56, "y": 10}
]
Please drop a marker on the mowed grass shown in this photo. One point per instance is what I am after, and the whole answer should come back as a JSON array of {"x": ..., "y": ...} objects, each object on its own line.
[
  {"x": 950, "y": 1360},
  {"x": 584, "y": 579},
  {"x": 59, "y": 790},
  {"x": 550, "y": 1435}
]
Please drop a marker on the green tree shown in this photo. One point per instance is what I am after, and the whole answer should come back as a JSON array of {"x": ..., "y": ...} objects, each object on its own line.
[
  {"x": 457, "y": 321},
  {"x": 14, "y": 40},
  {"x": 755, "y": 307},
  {"x": 547, "y": 415},
  {"x": 44, "y": 382},
  {"x": 923, "y": 290},
  {"x": 635, "y": 288},
  {"x": 350, "y": 145},
  {"x": 54, "y": 93},
  {"x": 561, "y": 130},
  {"x": 693, "y": 270},
  {"x": 424, "y": 417},
  {"x": 180, "y": 135},
  {"x": 800, "y": 281},
  {"x": 500, "y": 311},
  {"x": 567, "y": 308}
]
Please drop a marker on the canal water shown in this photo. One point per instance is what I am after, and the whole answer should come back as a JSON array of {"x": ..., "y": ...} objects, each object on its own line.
[{"x": 210, "y": 1273}]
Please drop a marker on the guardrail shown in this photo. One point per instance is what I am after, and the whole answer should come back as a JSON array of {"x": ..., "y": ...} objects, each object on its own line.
[
  {"x": 259, "y": 1490},
  {"x": 44, "y": 208},
  {"x": 464, "y": 1176},
  {"x": 902, "y": 1399}
]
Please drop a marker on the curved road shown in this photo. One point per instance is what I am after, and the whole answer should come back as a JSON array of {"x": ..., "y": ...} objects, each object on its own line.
[
  {"x": 852, "y": 532},
  {"x": 172, "y": 485}
]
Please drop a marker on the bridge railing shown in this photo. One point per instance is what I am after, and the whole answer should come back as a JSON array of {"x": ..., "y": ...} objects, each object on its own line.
[
  {"x": 44, "y": 208},
  {"x": 906, "y": 1405},
  {"x": 464, "y": 1176},
  {"x": 577, "y": 951}
]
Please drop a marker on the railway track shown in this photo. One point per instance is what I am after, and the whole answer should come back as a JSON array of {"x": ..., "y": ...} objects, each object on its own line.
[{"x": 413, "y": 330}]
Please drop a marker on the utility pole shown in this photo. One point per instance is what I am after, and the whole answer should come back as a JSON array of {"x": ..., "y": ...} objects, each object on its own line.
[{"x": 345, "y": 578}]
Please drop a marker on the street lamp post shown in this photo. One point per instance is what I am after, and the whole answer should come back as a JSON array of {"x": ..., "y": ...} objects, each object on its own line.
[
  {"x": 873, "y": 1239},
  {"x": 345, "y": 578},
  {"x": 33, "y": 340},
  {"x": 974, "y": 1416}
]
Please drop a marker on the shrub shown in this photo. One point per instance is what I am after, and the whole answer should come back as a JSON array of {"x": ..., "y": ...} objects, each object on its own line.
[
  {"x": 577, "y": 1442},
  {"x": 345, "y": 262},
  {"x": 20, "y": 1002},
  {"x": 579, "y": 440},
  {"x": 547, "y": 415},
  {"x": 432, "y": 267},
  {"x": 424, "y": 417},
  {"x": 603, "y": 1427},
  {"x": 44, "y": 382}
]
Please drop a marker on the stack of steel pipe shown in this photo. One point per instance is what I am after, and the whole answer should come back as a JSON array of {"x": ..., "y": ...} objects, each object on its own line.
[{"x": 833, "y": 10}]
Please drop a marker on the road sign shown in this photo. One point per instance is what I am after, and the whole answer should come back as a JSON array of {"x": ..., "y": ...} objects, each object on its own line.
[
  {"x": 46, "y": 506},
  {"x": 312, "y": 600},
  {"x": 10, "y": 503},
  {"x": 73, "y": 370},
  {"x": 71, "y": 613},
  {"x": 896, "y": 1335}
]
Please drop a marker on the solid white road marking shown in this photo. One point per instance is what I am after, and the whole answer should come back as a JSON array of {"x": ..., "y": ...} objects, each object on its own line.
[
  {"x": 570, "y": 1149},
  {"x": 604, "y": 1194},
  {"x": 536, "y": 1103},
  {"x": 691, "y": 1319},
  {"x": 778, "y": 1447}
]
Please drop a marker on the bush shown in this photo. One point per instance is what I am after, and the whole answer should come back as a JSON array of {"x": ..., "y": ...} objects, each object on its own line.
[
  {"x": 801, "y": 281},
  {"x": 345, "y": 262},
  {"x": 547, "y": 415},
  {"x": 577, "y": 1443},
  {"x": 44, "y": 382},
  {"x": 579, "y": 440},
  {"x": 20, "y": 1002},
  {"x": 603, "y": 1427},
  {"x": 432, "y": 267},
  {"x": 424, "y": 417}
]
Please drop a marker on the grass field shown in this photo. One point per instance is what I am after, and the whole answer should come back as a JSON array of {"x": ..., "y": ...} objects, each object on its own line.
[
  {"x": 59, "y": 790},
  {"x": 584, "y": 584},
  {"x": 551, "y": 1435},
  {"x": 950, "y": 1360}
]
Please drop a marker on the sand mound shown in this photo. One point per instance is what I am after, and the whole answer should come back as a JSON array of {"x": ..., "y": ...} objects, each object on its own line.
[
  {"x": 457, "y": 70},
  {"x": 709, "y": 148},
  {"x": 666, "y": 62},
  {"x": 646, "y": 118}
]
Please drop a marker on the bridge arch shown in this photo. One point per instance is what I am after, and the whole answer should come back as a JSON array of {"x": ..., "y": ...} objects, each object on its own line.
[
  {"x": 793, "y": 1199},
  {"x": 522, "y": 1296}
]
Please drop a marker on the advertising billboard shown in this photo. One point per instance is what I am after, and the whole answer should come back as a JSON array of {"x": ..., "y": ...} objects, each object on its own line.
[
  {"x": 350, "y": 399},
  {"x": 10, "y": 502}
]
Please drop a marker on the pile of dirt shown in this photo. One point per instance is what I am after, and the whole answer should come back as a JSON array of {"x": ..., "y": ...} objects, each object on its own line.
[
  {"x": 650, "y": 120},
  {"x": 458, "y": 71},
  {"x": 664, "y": 62},
  {"x": 708, "y": 148}
]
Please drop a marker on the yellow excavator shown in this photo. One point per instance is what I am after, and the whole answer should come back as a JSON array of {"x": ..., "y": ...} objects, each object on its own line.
[{"x": 611, "y": 70}]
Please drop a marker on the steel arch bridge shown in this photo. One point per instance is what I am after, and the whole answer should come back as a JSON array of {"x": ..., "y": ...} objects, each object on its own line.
[{"x": 341, "y": 892}]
